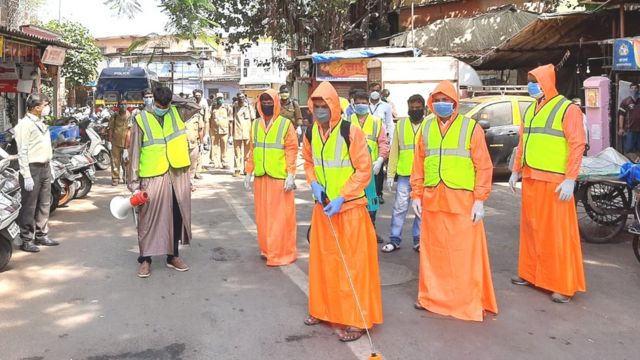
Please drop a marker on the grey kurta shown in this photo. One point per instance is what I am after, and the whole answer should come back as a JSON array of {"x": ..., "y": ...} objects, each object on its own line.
[{"x": 155, "y": 221}]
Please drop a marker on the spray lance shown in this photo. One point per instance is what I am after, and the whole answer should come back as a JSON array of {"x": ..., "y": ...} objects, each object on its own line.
[{"x": 374, "y": 354}]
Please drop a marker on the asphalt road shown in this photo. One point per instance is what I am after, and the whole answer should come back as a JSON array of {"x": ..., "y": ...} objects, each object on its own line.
[{"x": 82, "y": 299}]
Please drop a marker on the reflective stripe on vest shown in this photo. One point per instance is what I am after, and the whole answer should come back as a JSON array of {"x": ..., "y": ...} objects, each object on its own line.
[
  {"x": 448, "y": 158},
  {"x": 372, "y": 128},
  {"x": 162, "y": 146},
  {"x": 268, "y": 148},
  {"x": 331, "y": 160},
  {"x": 406, "y": 145},
  {"x": 545, "y": 146}
]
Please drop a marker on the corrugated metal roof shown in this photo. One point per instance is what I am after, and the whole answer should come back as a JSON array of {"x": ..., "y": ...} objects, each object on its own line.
[
  {"x": 467, "y": 37},
  {"x": 19, "y": 35},
  {"x": 399, "y": 4}
]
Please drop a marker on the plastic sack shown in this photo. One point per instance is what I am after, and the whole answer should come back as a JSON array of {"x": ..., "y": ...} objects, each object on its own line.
[{"x": 606, "y": 162}]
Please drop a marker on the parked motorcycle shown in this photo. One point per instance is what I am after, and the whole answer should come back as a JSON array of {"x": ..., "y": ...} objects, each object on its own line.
[
  {"x": 79, "y": 162},
  {"x": 63, "y": 185},
  {"x": 10, "y": 198}
]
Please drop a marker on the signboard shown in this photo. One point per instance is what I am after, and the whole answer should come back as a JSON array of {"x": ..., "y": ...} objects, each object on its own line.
[
  {"x": 626, "y": 54},
  {"x": 343, "y": 70},
  {"x": 53, "y": 55},
  {"x": 8, "y": 72},
  {"x": 1, "y": 46}
]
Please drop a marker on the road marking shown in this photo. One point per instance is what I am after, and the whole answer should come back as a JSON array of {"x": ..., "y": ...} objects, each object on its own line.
[{"x": 360, "y": 348}]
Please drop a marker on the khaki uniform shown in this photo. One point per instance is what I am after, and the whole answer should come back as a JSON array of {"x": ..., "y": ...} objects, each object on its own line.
[
  {"x": 118, "y": 128},
  {"x": 193, "y": 128},
  {"x": 243, "y": 116},
  {"x": 219, "y": 126},
  {"x": 291, "y": 111}
]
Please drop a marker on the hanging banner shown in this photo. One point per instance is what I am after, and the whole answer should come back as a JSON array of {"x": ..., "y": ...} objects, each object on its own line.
[
  {"x": 54, "y": 55},
  {"x": 343, "y": 70},
  {"x": 626, "y": 54}
]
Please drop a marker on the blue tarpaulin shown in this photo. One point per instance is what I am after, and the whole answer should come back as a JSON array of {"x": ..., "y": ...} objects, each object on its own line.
[{"x": 362, "y": 53}]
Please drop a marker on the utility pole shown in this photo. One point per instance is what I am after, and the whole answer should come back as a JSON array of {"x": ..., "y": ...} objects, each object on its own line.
[{"x": 59, "y": 11}]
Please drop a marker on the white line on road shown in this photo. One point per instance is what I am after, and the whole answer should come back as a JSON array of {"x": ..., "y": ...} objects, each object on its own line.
[{"x": 359, "y": 348}]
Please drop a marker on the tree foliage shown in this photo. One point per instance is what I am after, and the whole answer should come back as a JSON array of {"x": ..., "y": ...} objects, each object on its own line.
[{"x": 81, "y": 62}]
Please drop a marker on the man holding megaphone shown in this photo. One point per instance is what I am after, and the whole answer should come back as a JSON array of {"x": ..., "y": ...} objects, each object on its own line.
[{"x": 159, "y": 166}]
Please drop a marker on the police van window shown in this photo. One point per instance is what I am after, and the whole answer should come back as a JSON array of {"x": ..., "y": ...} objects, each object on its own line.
[{"x": 497, "y": 114}]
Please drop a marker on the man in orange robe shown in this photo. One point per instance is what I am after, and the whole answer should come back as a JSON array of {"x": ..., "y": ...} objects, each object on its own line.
[
  {"x": 274, "y": 198},
  {"x": 550, "y": 253},
  {"x": 331, "y": 298},
  {"x": 455, "y": 277}
]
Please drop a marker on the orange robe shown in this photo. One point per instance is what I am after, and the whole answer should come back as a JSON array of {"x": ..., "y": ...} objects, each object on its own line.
[
  {"x": 455, "y": 276},
  {"x": 275, "y": 208},
  {"x": 550, "y": 252},
  {"x": 330, "y": 296}
]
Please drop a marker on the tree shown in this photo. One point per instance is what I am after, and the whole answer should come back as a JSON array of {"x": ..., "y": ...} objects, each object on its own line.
[{"x": 81, "y": 62}]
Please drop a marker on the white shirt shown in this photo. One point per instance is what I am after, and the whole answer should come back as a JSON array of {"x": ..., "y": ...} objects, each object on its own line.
[
  {"x": 384, "y": 112},
  {"x": 33, "y": 142}
]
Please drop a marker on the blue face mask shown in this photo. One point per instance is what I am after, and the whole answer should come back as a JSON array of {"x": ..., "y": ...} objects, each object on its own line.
[
  {"x": 160, "y": 112},
  {"x": 535, "y": 91},
  {"x": 323, "y": 115},
  {"x": 443, "y": 109},
  {"x": 361, "y": 109},
  {"x": 148, "y": 101}
]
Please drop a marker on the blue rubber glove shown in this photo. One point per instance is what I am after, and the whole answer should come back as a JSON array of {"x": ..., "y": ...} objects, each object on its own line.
[
  {"x": 334, "y": 206},
  {"x": 317, "y": 190}
]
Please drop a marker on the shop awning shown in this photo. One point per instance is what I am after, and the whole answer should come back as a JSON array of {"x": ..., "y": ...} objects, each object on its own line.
[{"x": 326, "y": 57}]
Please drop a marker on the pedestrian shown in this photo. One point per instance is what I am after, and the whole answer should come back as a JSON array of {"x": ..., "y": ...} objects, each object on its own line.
[
  {"x": 243, "y": 116},
  {"x": 194, "y": 128},
  {"x": 219, "y": 131},
  {"x": 548, "y": 159},
  {"x": 159, "y": 164},
  {"x": 338, "y": 168},
  {"x": 451, "y": 179},
  {"x": 117, "y": 129},
  {"x": 289, "y": 108},
  {"x": 385, "y": 93},
  {"x": 204, "y": 114},
  {"x": 376, "y": 136},
  {"x": 400, "y": 165},
  {"x": 381, "y": 109},
  {"x": 211, "y": 100},
  {"x": 33, "y": 143},
  {"x": 629, "y": 121},
  {"x": 273, "y": 151}
]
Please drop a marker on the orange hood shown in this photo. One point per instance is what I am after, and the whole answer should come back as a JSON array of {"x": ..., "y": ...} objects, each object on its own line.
[
  {"x": 546, "y": 76},
  {"x": 328, "y": 93},
  {"x": 447, "y": 88},
  {"x": 276, "y": 103}
]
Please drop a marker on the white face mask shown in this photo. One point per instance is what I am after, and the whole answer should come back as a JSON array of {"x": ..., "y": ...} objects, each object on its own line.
[{"x": 46, "y": 111}]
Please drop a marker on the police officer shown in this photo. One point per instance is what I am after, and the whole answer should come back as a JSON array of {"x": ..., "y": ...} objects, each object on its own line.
[
  {"x": 118, "y": 128},
  {"x": 195, "y": 136}
]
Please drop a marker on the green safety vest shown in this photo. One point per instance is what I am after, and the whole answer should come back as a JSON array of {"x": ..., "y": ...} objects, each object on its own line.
[
  {"x": 331, "y": 161},
  {"x": 407, "y": 145},
  {"x": 372, "y": 128},
  {"x": 268, "y": 148},
  {"x": 545, "y": 146},
  {"x": 448, "y": 158},
  {"x": 162, "y": 146}
]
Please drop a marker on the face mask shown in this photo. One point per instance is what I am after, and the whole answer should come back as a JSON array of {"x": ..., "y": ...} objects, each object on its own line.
[
  {"x": 160, "y": 112},
  {"x": 375, "y": 97},
  {"x": 416, "y": 115},
  {"x": 46, "y": 111},
  {"x": 535, "y": 91},
  {"x": 361, "y": 109},
  {"x": 284, "y": 96},
  {"x": 148, "y": 101},
  {"x": 267, "y": 110},
  {"x": 443, "y": 109},
  {"x": 323, "y": 115},
  {"x": 219, "y": 101}
]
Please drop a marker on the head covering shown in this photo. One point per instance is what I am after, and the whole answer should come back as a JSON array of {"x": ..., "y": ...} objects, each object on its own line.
[
  {"x": 327, "y": 92},
  {"x": 447, "y": 88},
  {"x": 219, "y": 95},
  {"x": 546, "y": 77},
  {"x": 276, "y": 103}
]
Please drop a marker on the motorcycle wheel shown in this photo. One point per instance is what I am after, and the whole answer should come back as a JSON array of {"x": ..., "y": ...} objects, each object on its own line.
[
  {"x": 6, "y": 249},
  {"x": 636, "y": 246},
  {"x": 84, "y": 187},
  {"x": 69, "y": 193},
  {"x": 55, "y": 201},
  {"x": 103, "y": 160}
]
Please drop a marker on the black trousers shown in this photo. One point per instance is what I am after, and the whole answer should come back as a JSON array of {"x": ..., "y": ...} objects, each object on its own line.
[
  {"x": 177, "y": 232},
  {"x": 380, "y": 178},
  {"x": 33, "y": 218}
]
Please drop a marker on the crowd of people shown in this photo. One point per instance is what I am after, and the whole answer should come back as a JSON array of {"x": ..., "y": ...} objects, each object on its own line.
[{"x": 437, "y": 159}]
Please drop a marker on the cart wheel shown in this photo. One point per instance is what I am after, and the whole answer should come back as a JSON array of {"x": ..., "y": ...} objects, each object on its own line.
[
  {"x": 636, "y": 246},
  {"x": 602, "y": 211},
  {"x": 309, "y": 235}
]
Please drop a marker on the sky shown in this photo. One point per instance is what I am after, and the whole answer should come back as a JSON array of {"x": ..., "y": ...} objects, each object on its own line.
[{"x": 102, "y": 21}]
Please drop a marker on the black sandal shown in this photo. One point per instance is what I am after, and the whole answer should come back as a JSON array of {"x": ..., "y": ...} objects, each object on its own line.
[{"x": 351, "y": 334}]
